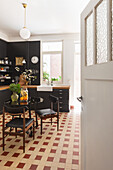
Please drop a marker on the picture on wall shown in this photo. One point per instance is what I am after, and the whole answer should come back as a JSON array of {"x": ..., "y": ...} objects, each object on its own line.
[{"x": 19, "y": 61}]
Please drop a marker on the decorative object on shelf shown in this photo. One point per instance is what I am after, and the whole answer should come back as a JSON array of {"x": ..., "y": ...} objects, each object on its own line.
[
  {"x": 17, "y": 69},
  {"x": 34, "y": 59},
  {"x": 24, "y": 32},
  {"x": 24, "y": 61},
  {"x": 19, "y": 61},
  {"x": 24, "y": 95},
  {"x": 26, "y": 77},
  {"x": 15, "y": 88},
  {"x": 6, "y": 60}
]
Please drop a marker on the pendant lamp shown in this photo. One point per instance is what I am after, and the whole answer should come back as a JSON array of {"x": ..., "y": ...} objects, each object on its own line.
[{"x": 24, "y": 32}]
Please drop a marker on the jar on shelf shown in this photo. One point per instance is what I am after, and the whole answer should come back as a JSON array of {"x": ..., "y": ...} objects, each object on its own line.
[
  {"x": 6, "y": 60},
  {"x": 2, "y": 61},
  {"x": 24, "y": 95}
]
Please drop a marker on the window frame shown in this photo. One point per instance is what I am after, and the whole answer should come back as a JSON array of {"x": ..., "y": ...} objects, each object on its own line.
[{"x": 51, "y": 52}]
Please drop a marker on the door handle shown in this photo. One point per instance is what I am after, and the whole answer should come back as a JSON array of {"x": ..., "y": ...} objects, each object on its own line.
[{"x": 79, "y": 98}]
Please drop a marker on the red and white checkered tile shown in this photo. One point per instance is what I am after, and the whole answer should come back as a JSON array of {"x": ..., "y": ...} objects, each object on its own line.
[{"x": 51, "y": 151}]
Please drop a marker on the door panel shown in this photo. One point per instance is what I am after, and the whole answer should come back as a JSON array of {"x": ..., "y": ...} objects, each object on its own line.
[
  {"x": 99, "y": 124},
  {"x": 97, "y": 94}
]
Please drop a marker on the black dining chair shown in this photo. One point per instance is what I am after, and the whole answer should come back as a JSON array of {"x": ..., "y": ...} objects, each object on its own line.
[
  {"x": 18, "y": 122},
  {"x": 49, "y": 112}
]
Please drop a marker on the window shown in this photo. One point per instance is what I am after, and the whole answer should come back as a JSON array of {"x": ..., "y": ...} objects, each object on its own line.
[
  {"x": 52, "y": 62},
  {"x": 101, "y": 32},
  {"x": 89, "y": 40}
]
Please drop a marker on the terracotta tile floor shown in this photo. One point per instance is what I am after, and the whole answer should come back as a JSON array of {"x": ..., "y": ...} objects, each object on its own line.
[{"x": 51, "y": 151}]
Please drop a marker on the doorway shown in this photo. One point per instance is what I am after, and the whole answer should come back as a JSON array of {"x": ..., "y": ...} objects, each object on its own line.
[{"x": 77, "y": 77}]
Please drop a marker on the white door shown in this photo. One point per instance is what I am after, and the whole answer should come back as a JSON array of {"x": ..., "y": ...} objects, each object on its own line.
[{"x": 97, "y": 86}]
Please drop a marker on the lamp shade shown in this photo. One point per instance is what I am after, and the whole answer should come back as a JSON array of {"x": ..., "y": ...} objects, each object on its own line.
[{"x": 25, "y": 33}]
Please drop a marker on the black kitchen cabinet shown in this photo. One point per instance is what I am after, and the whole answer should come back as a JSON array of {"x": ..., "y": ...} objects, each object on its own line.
[
  {"x": 5, "y": 95},
  {"x": 26, "y": 50},
  {"x": 45, "y": 97},
  {"x": 34, "y": 50},
  {"x": 62, "y": 94},
  {"x": 17, "y": 49},
  {"x": 3, "y": 49}
]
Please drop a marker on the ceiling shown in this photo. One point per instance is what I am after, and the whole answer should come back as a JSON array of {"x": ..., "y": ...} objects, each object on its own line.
[{"x": 43, "y": 16}]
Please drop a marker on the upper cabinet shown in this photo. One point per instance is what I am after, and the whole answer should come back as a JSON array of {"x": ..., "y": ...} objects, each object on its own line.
[
  {"x": 3, "y": 48},
  {"x": 30, "y": 51},
  {"x": 34, "y": 59}
]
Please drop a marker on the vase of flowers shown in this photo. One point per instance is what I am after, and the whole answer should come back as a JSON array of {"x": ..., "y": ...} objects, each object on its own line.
[
  {"x": 15, "y": 88},
  {"x": 28, "y": 76}
]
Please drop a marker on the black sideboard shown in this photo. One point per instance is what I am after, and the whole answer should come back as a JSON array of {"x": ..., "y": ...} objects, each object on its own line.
[{"x": 62, "y": 94}]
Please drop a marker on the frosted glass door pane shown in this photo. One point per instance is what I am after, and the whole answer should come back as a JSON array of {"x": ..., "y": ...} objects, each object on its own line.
[
  {"x": 101, "y": 32},
  {"x": 89, "y": 40}
]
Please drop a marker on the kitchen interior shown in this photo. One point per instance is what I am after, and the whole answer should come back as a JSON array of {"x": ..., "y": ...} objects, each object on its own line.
[{"x": 49, "y": 57}]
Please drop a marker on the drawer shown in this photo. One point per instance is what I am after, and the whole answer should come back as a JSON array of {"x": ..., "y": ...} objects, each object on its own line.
[
  {"x": 62, "y": 108},
  {"x": 63, "y": 97},
  {"x": 60, "y": 91}
]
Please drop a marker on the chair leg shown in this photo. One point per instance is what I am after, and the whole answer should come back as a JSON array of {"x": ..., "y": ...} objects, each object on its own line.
[
  {"x": 23, "y": 142},
  {"x": 15, "y": 132},
  {"x": 36, "y": 120},
  {"x": 57, "y": 123},
  {"x": 51, "y": 120},
  {"x": 3, "y": 142},
  {"x": 3, "y": 130},
  {"x": 24, "y": 131},
  {"x": 41, "y": 126},
  {"x": 33, "y": 131}
]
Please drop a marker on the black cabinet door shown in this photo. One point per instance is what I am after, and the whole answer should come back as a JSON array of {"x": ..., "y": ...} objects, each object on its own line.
[
  {"x": 63, "y": 95},
  {"x": 3, "y": 49},
  {"x": 45, "y": 97},
  {"x": 4, "y": 96},
  {"x": 17, "y": 49},
  {"x": 34, "y": 50},
  {"x": 63, "y": 99}
]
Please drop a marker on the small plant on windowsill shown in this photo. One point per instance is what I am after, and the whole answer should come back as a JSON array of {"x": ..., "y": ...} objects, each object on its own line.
[
  {"x": 55, "y": 79},
  {"x": 45, "y": 76}
]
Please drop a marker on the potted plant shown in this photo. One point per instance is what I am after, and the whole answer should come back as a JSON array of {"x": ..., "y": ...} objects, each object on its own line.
[{"x": 16, "y": 89}]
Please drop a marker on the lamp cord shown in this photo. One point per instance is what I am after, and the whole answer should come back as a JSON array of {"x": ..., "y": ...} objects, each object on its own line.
[{"x": 25, "y": 18}]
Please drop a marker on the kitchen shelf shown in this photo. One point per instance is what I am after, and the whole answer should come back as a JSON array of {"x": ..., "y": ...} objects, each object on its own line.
[
  {"x": 5, "y": 78},
  {"x": 4, "y": 65}
]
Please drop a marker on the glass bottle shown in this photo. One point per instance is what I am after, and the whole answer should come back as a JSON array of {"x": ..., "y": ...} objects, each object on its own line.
[{"x": 24, "y": 95}]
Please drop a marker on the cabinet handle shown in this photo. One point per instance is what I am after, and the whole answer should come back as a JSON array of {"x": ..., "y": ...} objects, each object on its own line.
[
  {"x": 60, "y": 107},
  {"x": 60, "y": 90},
  {"x": 60, "y": 93},
  {"x": 61, "y": 102},
  {"x": 60, "y": 97}
]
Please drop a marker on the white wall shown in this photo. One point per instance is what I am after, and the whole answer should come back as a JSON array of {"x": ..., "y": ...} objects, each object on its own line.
[
  {"x": 3, "y": 36},
  {"x": 68, "y": 55}
]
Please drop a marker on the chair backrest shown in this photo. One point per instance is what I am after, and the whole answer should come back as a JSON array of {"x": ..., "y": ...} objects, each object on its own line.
[
  {"x": 53, "y": 99},
  {"x": 14, "y": 109}
]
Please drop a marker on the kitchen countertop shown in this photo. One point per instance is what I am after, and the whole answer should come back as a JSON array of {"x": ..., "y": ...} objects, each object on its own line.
[{"x": 35, "y": 86}]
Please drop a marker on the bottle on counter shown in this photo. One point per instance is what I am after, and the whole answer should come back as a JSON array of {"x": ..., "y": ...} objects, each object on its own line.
[{"x": 24, "y": 95}]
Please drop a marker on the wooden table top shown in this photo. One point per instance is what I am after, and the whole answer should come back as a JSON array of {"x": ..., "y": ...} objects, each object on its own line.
[{"x": 35, "y": 86}]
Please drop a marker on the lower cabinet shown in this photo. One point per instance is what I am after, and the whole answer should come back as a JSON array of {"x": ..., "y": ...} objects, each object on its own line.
[
  {"x": 62, "y": 94},
  {"x": 4, "y": 96},
  {"x": 45, "y": 97}
]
